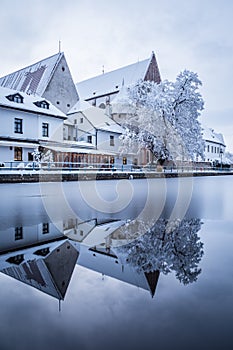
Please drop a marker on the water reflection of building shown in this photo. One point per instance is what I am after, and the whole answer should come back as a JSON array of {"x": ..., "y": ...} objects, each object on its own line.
[
  {"x": 47, "y": 267},
  {"x": 104, "y": 260},
  {"x": 96, "y": 253},
  {"x": 126, "y": 251},
  {"x": 24, "y": 235}
]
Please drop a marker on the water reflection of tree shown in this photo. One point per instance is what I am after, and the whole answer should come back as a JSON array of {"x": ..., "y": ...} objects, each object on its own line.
[{"x": 165, "y": 247}]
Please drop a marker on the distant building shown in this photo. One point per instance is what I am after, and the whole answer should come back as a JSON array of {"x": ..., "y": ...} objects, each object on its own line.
[
  {"x": 214, "y": 146},
  {"x": 101, "y": 90}
]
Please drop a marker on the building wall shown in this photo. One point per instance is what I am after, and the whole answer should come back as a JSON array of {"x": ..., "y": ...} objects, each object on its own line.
[
  {"x": 108, "y": 141},
  {"x": 84, "y": 129},
  {"x": 32, "y": 125},
  {"x": 61, "y": 91},
  {"x": 153, "y": 73},
  {"x": 212, "y": 151},
  {"x": 7, "y": 120}
]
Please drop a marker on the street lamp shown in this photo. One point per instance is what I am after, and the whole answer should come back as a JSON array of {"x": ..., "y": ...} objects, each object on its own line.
[{"x": 221, "y": 153}]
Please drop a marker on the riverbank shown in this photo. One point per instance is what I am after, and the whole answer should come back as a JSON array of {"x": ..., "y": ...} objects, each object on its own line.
[{"x": 23, "y": 176}]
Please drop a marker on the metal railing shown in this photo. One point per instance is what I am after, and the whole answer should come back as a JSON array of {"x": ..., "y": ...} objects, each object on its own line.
[{"x": 85, "y": 166}]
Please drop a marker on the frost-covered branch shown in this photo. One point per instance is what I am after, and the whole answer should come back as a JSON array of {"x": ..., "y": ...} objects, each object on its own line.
[
  {"x": 166, "y": 118},
  {"x": 166, "y": 246}
]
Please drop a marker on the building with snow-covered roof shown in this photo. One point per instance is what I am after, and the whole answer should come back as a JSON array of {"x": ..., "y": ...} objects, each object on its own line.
[
  {"x": 94, "y": 126},
  {"x": 27, "y": 121},
  {"x": 49, "y": 78},
  {"x": 100, "y": 90},
  {"x": 47, "y": 267},
  {"x": 214, "y": 146}
]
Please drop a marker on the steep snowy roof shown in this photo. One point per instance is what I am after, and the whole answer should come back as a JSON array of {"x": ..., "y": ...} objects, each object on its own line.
[
  {"x": 111, "y": 82},
  {"x": 98, "y": 118},
  {"x": 210, "y": 135},
  {"x": 34, "y": 78},
  {"x": 28, "y": 103},
  {"x": 80, "y": 106}
]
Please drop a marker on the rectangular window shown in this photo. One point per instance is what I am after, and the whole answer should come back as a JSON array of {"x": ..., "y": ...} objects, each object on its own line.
[
  {"x": 30, "y": 156},
  {"x": 18, "y": 233},
  {"x": 45, "y": 129},
  {"x": 45, "y": 228},
  {"x": 212, "y": 149},
  {"x": 124, "y": 161},
  {"x": 18, "y": 154},
  {"x": 81, "y": 120},
  {"x": 89, "y": 139},
  {"x": 18, "y": 126},
  {"x": 208, "y": 148},
  {"x": 111, "y": 140}
]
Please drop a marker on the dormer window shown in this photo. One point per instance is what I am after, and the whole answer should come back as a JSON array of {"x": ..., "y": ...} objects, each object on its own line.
[
  {"x": 15, "y": 98},
  {"x": 42, "y": 104}
]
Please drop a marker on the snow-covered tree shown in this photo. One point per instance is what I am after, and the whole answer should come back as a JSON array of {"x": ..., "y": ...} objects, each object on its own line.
[
  {"x": 166, "y": 118},
  {"x": 167, "y": 246},
  {"x": 45, "y": 156}
]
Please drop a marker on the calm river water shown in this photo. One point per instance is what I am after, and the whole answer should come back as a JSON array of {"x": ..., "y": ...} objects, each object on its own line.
[{"x": 130, "y": 264}]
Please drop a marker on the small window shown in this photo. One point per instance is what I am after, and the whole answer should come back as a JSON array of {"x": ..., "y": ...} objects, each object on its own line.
[
  {"x": 63, "y": 69},
  {"x": 112, "y": 160},
  {"x": 18, "y": 154},
  {"x": 15, "y": 98},
  {"x": 124, "y": 161},
  {"x": 81, "y": 120},
  {"x": 45, "y": 228},
  {"x": 45, "y": 129},
  {"x": 112, "y": 140},
  {"x": 42, "y": 104},
  {"x": 17, "y": 259},
  {"x": 18, "y": 126},
  {"x": 30, "y": 156},
  {"x": 18, "y": 233},
  {"x": 102, "y": 106},
  {"x": 89, "y": 139}
]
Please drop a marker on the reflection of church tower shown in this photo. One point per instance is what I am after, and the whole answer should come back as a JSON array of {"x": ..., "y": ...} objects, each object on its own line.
[
  {"x": 108, "y": 262},
  {"x": 48, "y": 270},
  {"x": 152, "y": 280}
]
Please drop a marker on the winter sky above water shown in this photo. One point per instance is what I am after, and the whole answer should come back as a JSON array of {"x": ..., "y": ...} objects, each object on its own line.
[{"x": 194, "y": 35}]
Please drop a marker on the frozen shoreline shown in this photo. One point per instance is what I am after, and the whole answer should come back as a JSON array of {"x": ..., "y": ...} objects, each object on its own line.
[{"x": 27, "y": 176}]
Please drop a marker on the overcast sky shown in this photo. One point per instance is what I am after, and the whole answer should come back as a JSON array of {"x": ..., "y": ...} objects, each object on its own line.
[{"x": 193, "y": 34}]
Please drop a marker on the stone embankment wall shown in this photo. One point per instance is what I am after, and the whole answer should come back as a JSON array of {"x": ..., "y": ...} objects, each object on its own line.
[{"x": 88, "y": 176}]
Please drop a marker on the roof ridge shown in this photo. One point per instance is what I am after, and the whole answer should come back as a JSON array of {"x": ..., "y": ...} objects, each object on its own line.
[
  {"x": 31, "y": 65},
  {"x": 114, "y": 70}
]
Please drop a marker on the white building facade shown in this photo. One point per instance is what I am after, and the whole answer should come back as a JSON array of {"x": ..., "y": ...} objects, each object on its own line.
[
  {"x": 214, "y": 147},
  {"x": 27, "y": 122}
]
